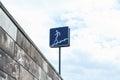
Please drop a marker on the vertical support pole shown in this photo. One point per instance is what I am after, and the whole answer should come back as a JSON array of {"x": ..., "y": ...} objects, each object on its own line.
[{"x": 60, "y": 60}]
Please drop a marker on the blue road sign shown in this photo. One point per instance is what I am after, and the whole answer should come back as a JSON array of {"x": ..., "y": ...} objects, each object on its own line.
[{"x": 59, "y": 37}]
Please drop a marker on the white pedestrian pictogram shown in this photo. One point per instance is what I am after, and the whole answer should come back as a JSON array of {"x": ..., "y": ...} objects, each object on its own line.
[
  {"x": 56, "y": 41},
  {"x": 57, "y": 34}
]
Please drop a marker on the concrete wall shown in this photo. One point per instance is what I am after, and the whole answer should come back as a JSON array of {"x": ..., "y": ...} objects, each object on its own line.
[{"x": 20, "y": 59}]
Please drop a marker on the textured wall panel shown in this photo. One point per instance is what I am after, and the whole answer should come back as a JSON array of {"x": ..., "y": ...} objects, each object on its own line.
[
  {"x": 23, "y": 42},
  {"x": 50, "y": 72},
  {"x": 45, "y": 66},
  {"x": 40, "y": 70},
  {"x": 34, "y": 68},
  {"x": 4, "y": 76},
  {"x": 6, "y": 43},
  {"x": 8, "y": 65},
  {"x": 25, "y": 75},
  {"x": 43, "y": 75},
  {"x": 22, "y": 57},
  {"x": 48, "y": 78},
  {"x": 7, "y": 25},
  {"x": 26, "y": 61},
  {"x": 36, "y": 56},
  {"x": 35, "y": 78},
  {"x": 55, "y": 77}
]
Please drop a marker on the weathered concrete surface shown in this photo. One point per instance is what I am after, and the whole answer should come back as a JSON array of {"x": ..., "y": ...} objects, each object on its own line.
[
  {"x": 48, "y": 78},
  {"x": 8, "y": 65},
  {"x": 25, "y": 60},
  {"x": 55, "y": 77},
  {"x": 34, "y": 69},
  {"x": 43, "y": 75},
  {"x": 20, "y": 59},
  {"x": 45, "y": 66},
  {"x": 7, "y": 24},
  {"x": 25, "y": 75},
  {"x": 50, "y": 72},
  {"x": 4, "y": 76},
  {"x": 23, "y": 42},
  {"x": 6, "y": 43},
  {"x": 36, "y": 56}
]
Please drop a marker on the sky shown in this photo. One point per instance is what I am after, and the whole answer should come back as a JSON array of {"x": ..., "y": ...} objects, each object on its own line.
[{"x": 94, "y": 52}]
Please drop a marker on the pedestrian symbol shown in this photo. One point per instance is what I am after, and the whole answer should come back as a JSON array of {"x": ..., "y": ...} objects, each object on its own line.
[
  {"x": 59, "y": 37},
  {"x": 57, "y": 34}
]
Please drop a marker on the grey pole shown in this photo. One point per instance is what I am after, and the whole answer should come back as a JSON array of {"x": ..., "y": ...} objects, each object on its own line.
[{"x": 60, "y": 60}]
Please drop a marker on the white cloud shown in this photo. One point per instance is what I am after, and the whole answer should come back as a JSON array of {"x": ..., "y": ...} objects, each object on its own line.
[{"x": 100, "y": 39}]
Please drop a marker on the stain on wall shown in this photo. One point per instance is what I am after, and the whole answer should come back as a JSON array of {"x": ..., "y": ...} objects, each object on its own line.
[
  {"x": 4, "y": 76},
  {"x": 6, "y": 43},
  {"x": 8, "y": 65}
]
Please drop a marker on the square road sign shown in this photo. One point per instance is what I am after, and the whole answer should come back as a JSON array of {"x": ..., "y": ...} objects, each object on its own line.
[{"x": 60, "y": 37}]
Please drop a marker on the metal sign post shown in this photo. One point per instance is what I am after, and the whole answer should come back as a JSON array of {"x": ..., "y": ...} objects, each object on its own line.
[
  {"x": 60, "y": 60},
  {"x": 59, "y": 37}
]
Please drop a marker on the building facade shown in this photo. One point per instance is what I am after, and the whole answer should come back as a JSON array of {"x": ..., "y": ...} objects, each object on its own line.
[{"x": 20, "y": 59}]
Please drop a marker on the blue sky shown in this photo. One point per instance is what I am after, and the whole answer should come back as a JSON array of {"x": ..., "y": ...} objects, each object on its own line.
[{"x": 94, "y": 53}]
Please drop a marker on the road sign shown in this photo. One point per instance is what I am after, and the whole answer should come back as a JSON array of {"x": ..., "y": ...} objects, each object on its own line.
[{"x": 59, "y": 37}]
